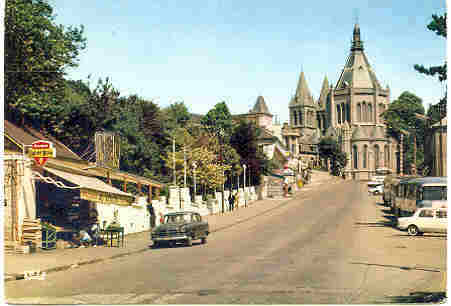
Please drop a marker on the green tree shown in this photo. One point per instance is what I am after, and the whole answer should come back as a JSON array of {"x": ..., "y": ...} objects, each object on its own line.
[
  {"x": 37, "y": 53},
  {"x": 244, "y": 140},
  {"x": 329, "y": 149},
  {"x": 400, "y": 119},
  {"x": 177, "y": 115},
  {"x": 438, "y": 26},
  {"x": 218, "y": 119}
]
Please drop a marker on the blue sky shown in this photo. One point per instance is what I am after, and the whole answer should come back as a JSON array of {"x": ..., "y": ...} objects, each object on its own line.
[{"x": 204, "y": 52}]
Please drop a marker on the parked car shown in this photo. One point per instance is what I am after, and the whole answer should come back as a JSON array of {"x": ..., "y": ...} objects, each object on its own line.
[
  {"x": 180, "y": 227},
  {"x": 425, "y": 220}
]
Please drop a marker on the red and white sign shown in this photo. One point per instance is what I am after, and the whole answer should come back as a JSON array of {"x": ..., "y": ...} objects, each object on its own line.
[{"x": 41, "y": 150}]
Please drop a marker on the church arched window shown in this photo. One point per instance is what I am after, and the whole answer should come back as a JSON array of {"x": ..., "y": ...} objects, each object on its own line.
[
  {"x": 295, "y": 117},
  {"x": 355, "y": 155},
  {"x": 301, "y": 121},
  {"x": 343, "y": 113},
  {"x": 370, "y": 113},
  {"x": 364, "y": 113},
  {"x": 376, "y": 157},
  {"x": 338, "y": 114},
  {"x": 348, "y": 112},
  {"x": 365, "y": 156},
  {"x": 387, "y": 156},
  {"x": 359, "y": 112}
]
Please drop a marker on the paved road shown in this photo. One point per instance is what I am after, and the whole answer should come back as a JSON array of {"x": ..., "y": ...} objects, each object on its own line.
[{"x": 331, "y": 244}]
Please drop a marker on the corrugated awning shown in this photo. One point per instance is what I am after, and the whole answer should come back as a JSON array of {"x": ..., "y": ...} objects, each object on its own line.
[{"x": 93, "y": 189}]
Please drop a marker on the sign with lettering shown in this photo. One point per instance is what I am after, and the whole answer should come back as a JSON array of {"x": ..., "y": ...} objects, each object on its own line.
[
  {"x": 105, "y": 197},
  {"x": 41, "y": 150},
  {"x": 107, "y": 150}
]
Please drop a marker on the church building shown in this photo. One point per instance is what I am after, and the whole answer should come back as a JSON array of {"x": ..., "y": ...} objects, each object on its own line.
[{"x": 349, "y": 112}]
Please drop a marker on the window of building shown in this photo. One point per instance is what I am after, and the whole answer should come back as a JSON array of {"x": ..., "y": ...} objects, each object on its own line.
[
  {"x": 370, "y": 113},
  {"x": 338, "y": 114},
  {"x": 364, "y": 112},
  {"x": 301, "y": 121},
  {"x": 343, "y": 113},
  {"x": 376, "y": 156},
  {"x": 355, "y": 157},
  {"x": 295, "y": 117},
  {"x": 387, "y": 155},
  {"x": 359, "y": 112},
  {"x": 365, "y": 156}
]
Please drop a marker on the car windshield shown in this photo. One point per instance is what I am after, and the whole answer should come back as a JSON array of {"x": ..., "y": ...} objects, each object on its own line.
[
  {"x": 177, "y": 218},
  {"x": 432, "y": 193}
]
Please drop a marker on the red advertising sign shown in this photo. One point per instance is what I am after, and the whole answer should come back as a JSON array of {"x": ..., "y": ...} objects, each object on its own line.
[{"x": 41, "y": 150}]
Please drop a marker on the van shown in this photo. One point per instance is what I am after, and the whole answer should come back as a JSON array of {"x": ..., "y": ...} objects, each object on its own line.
[{"x": 416, "y": 193}]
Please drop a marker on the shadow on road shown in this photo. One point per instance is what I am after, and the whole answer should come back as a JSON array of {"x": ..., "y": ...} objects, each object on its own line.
[
  {"x": 376, "y": 224},
  {"x": 418, "y": 297},
  {"x": 424, "y": 236},
  {"x": 405, "y": 268}
]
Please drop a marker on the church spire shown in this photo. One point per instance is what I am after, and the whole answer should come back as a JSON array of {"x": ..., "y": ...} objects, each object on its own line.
[{"x": 357, "y": 44}]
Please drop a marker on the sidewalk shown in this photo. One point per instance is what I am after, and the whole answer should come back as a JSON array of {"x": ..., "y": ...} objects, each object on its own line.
[{"x": 64, "y": 259}]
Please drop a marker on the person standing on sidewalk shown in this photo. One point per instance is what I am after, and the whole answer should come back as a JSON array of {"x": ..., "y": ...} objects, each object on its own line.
[{"x": 231, "y": 201}]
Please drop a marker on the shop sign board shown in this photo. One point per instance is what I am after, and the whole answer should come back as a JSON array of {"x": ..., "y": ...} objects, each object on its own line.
[
  {"x": 105, "y": 197},
  {"x": 41, "y": 150},
  {"x": 107, "y": 146}
]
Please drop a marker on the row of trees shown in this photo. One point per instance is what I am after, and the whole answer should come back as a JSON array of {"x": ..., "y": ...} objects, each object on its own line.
[{"x": 38, "y": 93}]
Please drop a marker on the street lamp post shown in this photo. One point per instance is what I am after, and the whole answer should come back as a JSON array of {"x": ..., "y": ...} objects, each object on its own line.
[
  {"x": 194, "y": 173},
  {"x": 220, "y": 134},
  {"x": 244, "y": 185},
  {"x": 173, "y": 159},
  {"x": 184, "y": 166}
]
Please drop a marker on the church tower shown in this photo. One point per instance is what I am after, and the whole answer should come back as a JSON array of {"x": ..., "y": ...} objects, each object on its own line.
[
  {"x": 303, "y": 108},
  {"x": 355, "y": 107}
]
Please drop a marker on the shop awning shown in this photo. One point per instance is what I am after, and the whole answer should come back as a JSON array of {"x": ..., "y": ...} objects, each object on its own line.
[{"x": 95, "y": 190}]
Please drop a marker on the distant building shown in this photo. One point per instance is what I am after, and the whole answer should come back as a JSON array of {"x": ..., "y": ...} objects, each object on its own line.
[
  {"x": 348, "y": 112},
  {"x": 437, "y": 154}
]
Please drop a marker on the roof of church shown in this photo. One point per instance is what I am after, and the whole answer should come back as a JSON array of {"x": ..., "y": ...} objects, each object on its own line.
[
  {"x": 260, "y": 106},
  {"x": 357, "y": 72},
  {"x": 324, "y": 92},
  {"x": 303, "y": 95}
]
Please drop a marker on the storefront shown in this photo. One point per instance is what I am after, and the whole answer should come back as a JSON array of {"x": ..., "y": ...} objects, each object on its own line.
[{"x": 71, "y": 201}]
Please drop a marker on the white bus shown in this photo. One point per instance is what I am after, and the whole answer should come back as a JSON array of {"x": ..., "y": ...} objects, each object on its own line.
[{"x": 412, "y": 194}]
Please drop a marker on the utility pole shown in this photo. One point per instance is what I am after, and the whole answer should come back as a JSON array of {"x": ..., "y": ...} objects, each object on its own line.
[
  {"x": 173, "y": 158},
  {"x": 184, "y": 165}
]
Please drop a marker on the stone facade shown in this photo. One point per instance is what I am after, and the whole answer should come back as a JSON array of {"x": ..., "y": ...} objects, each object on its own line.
[{"x": 349, "y": 112}]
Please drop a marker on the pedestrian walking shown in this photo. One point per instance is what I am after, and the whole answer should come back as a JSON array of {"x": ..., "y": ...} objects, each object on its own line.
[{"x": 231, "y": 201}]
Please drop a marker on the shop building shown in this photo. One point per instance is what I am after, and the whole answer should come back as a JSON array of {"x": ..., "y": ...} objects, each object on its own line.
[{"x": 67, "y": 191}]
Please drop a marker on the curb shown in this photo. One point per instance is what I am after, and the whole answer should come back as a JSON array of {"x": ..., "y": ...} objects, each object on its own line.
[{"x": 13, "y": 277}]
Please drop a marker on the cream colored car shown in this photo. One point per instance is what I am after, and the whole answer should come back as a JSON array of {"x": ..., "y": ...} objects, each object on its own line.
[{"x": 425, "y": 220}]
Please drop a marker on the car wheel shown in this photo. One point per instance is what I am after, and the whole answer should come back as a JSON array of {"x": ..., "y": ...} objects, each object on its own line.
[
  {"x": 189, "y": 241},
  {"x": 203, "y": 240},
  {"x": 412, "y": 230}
]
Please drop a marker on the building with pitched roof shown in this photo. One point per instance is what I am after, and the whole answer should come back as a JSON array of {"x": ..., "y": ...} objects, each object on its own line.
[{"x": 349, "y": 111}]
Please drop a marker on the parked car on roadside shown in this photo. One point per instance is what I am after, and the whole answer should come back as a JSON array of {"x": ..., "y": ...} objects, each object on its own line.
[
  {"x": 180, "y": 227},
  {"x": 425, "y": 220}
]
